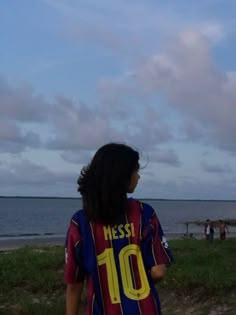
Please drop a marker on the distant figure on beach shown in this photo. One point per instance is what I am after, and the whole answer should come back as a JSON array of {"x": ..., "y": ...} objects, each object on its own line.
[
  {"x": 222, "y": 229},
  {"x": 209, "y": 230},
  {"x": 114, "y": 244},
  {"x": 212, "y": 231}
]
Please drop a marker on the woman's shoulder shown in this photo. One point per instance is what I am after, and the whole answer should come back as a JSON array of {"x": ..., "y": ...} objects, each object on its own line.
[
  {"x": 78, "y": 216},
  {"x": 146, "y": 208},
  {"x": 141, "y": 202}
]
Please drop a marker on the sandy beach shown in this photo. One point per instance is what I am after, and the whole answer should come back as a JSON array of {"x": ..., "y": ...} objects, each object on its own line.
[
  {"x": 18, "y": 242},
  {"x": 15, "y": 243}
]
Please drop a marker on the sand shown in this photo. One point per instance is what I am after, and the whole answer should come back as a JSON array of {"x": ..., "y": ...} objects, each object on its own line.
[{"x": 18, "y": 242}]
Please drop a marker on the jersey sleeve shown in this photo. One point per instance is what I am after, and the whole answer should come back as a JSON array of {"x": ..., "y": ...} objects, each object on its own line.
[
  {"x": 74, "y": 267},
  {"x": 155, "y": 248}
]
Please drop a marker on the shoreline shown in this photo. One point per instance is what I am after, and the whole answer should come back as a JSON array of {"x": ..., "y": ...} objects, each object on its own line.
[
  {"x": 8, "y": 244},
  {"x": 16, "y": 243},
  {"x": 139, "y": 198}
]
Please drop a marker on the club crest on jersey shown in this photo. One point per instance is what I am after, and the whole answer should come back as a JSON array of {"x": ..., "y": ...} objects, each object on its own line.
[{"x": 164, "y": 242}]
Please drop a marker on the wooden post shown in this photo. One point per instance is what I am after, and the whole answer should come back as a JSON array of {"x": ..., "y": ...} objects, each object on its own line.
[{"x": 186, "y": 229}]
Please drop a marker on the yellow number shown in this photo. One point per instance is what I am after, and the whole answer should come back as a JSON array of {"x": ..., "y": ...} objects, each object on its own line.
[
  {"x": 107, "y": 258},
  {"x": 126, "y": 275}
]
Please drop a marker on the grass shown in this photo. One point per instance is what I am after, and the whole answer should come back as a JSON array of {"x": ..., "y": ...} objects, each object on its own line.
[
  {"x": 32, "y": 281},
  {"x": 203, "y": 276},
  {"x": 210, "y": 267}
]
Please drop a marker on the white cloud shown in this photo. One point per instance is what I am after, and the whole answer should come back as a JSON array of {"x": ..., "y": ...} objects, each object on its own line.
[
  {"x": 153, "y": 93},
  {"x": 214, "y": 31},
  {"x": 215, "y": 168},
  {"x": 191, "y": 131},
  {"x": 25, "y": 172},
  {"x": 21, "y": 103},
  {"x": 78, "y": 126},
  {"x": 71, "y": 125},
  {"x": 185, "y": 75},
  {"x": 13, "y": 139},
  {"x": 192, "y": 188},
  {"x": 165, "y": 156},
  {"x": 195, "y": 87},
  {"x": 136, "y": 28},
  {"x": 25, "y": 178},
  {"x": 29, "y": 121},
  {"x": 77, "y": 157}
]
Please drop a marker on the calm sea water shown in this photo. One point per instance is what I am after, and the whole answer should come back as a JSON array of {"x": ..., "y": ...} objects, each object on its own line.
[{"x": 30, "y": 217}]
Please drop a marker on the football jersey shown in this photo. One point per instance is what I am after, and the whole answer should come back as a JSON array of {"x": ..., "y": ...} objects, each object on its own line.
[{"x": 116, "y": 260}]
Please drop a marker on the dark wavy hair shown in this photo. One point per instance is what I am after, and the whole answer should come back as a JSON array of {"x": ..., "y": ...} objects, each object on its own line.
[{"x": 104, "y": 182}]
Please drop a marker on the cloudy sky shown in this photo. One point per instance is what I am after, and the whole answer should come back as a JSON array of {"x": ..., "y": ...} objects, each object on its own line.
[{"x": 158, "y": 75}]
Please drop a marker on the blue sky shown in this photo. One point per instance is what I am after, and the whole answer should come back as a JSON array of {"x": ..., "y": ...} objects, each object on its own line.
[{"x": 157, "y": 75}]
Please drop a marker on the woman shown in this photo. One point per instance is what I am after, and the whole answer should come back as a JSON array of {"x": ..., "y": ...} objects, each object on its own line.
[
  {"x": 114, "y": 243},
  {"x": 222, "y": 229}
]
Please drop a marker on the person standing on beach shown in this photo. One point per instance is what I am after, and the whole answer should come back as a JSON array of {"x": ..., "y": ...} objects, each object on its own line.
[
  {"x": 222, "y": 229},
  {"x": 115, "y": 243},
  {"x": 209, "y": 230},
  {"x": 212, "y": 231}
]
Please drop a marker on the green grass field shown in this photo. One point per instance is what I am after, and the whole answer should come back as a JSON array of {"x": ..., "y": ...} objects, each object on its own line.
[{"x": 202, "y": 280}]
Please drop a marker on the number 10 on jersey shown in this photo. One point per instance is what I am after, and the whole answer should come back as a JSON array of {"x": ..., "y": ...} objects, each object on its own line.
[{"x": 107, "y": 258}]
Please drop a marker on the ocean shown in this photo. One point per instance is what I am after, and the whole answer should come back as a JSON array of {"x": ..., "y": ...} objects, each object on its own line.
[{"x": 49, "y": 217}]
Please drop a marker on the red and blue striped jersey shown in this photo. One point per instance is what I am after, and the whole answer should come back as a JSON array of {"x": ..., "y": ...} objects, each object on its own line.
[{"x": 116, "y": 260}]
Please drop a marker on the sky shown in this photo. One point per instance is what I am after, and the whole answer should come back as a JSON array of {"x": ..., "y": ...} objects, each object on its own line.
[{"x": 157, "y": 75}]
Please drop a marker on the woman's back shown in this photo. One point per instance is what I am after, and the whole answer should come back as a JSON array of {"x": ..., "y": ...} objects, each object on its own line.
[
  {"x": 114, "y": 243},
  {"x": 115, "y": 260}
]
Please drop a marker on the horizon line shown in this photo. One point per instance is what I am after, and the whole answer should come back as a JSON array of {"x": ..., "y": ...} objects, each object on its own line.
[{"x": 146, "y": 198}]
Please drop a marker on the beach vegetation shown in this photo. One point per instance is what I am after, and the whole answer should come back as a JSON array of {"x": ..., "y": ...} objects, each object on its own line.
[{"x": 202, "y": 279}]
